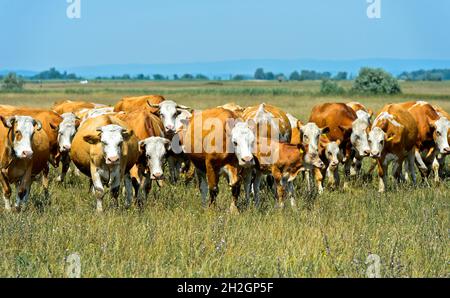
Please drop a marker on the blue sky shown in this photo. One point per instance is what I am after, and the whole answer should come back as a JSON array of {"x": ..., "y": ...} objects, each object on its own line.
[{"x": 37, "y": 34}]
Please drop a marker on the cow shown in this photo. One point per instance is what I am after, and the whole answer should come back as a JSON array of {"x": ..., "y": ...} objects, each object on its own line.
[
  {"x": 24, "y": 153},
  {"x": 66, "y": 131},
  {"x": 268, "y": 118},
  {"x": 105, "y": 150},
  {"x": 392, "y": 138},
  {"x": 345, "y": 126},
  {"x": 69, "y": 106},
  {"x": 133, "y": 103},
  {"x": 213, "y": 139},
  {"x": 331, "y": 155},
  {"x": 237, "y": 109},
  {"x": 49, "y": 120},
  {"x": 432, "y": 137},
  {"x": 281, "y": 160},
  {"x": 153, "y": 148}
]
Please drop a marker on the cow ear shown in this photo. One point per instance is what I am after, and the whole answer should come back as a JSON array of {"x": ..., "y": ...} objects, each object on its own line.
[
  {"x": 301, "y": 148},
  {"x": 325, "y": 130},
  {"x": 168, "y": 144},
  {"x": 127, "y": 134},
  {"x": 92, "y": 139},
  {"x": 10, "y": 121},
  {"x": 370, "y": 112},
  {"x": 77, "y": 122},
  {"x": 338, "y": 142}
]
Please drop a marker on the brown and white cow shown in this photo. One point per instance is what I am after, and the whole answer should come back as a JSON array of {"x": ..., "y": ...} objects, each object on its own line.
[
  {"x": 213, "y": 139},
  {"x": 393, "y": 138},
  {"x": 66, "y": 131},
  {"x": 69, "y": 106},
  {"x": 105, "y": 149},
  {"x": 49, "y": 121},
  {"x": 133, "y": 103},
  {"x": 271, "y": 122},
  {"x": 24, "y": 153},
  {"x": 432, "y": 139},
  {"x": 153, "y": 148},
  {"x": 344, "y": 126}
]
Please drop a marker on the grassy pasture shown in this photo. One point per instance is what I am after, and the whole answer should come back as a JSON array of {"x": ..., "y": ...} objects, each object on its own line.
[{"x": 330, "y": 235}]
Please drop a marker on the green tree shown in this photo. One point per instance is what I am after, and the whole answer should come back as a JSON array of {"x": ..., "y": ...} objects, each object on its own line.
[
  {"x": 340, "y": 76},
  {"x": 329, "y": 87},
  {"x": 294, "y": 76},
  {"x": 12, "y": 82},
  {"x": 375, "y": 81},
  {"x": 270, "y": 76},
  {"x": 158, "y": 77},
  {"x": 259, "y": 74},
  {"x": 187, "y": 76},
  {"x": 201, "y": 77}
]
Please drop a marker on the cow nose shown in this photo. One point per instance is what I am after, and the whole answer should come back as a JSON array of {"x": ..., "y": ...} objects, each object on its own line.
[
  {"x": 112, "y": 159},
  {"x": 170, "y": 128},
  {"x": 66, "y": 147},
  {"x": 320, "y": 164},
  {"x": 374, "y": 154},
  {"x": 157, "y": 175},
  {"x": 247, "y": 159},
  {"x": 447, "y": 150},
  {"x": 366, "y": 152},
  {"x": 27, "y": 154}
]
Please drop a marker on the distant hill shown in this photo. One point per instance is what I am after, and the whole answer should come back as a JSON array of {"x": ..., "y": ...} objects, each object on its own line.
[{"x": 224, "y": 69}]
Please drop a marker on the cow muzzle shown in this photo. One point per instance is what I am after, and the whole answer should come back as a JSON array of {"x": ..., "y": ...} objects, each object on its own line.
[
  {"x": 157, "y": 176},
  {"x": 112, "y": 160},
  {"x": 26, "y": 154},
  {"x": 246, "y": 161},
  {"x": 446, "y": 151}
]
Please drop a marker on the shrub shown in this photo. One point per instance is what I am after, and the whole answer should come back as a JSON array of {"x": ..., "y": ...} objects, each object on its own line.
[
  {"x": 375, "y": 81},
  {"x": 12, "y": 82},
  {"x": 329, "y": 87}
]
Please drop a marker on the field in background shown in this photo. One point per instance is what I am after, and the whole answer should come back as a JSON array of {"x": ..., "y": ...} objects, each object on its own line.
[{"x": 325, "y": 236}]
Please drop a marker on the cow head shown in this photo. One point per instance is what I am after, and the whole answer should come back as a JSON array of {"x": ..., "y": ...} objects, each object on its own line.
[
  {"x": 111, "y": 138},
  {"x": 309, "y": 136},
  {"x": 440, "y": 134},
  {"x": 21, "y": 131},
  {"x": 377, "y": 140},
  {"x": 333, "y": 154},
  {"x": 243, "y": 140},
  {"x": 358, "y": 138},
  {"x": 66, "y": 131},
  {"x": 363, "y": 115},
  {"x": 155, "y": 150},
  {"x": 168, "y": 110}
]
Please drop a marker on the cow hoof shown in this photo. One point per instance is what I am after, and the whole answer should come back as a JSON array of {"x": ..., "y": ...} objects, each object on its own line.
[{"x": 58, "y": 179}]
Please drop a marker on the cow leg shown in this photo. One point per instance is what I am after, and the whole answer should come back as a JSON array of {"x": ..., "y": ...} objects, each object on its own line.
[
  {"x": 235, "y": 191},
  {"x": 6, "y": 191},
  {"x": 441, "y": 161},
  {"x": 45, "y": 182},
  {"x": 202, "y": 185},
  {"x": 98, "y": 189},
  {"x": 65, "y": 160},
  {"x": 319, "y": 179},
  {"x": 382, "y": 174},
  {"x": 114, "y": 178},
  {"x": 173, "y": 169},
  {"x": 256, "y": 188},
  {"x": 411, "y": 169},
  {"x": 333, "y": 176},
  {"x": 398, "y": 170},
  {"x": 280, "y": 187},
  {"x": 420, "y": 163},
  {"x": 212, "y": 175},
  {"x": 307, "y": 176},
  {"x": 129, "y": 189},
  {"x": 247, "y": 184},
  {"x": 435, "y": 167}
]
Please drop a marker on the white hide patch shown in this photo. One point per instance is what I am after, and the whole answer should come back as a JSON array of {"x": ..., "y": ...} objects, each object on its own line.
[{"x": 386, "y": 116}]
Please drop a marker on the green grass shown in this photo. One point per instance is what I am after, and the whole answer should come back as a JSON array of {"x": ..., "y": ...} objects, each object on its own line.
[{"x": 330, "y": 235}]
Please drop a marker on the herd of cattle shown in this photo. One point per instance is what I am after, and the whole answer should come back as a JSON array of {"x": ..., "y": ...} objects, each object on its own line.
[{"x": 130, "y": 143}]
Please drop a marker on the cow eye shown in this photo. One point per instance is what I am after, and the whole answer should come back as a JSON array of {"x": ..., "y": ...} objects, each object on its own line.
[
  {"x": 235, "y": 143},
  {"x": 438, "y": 133}
]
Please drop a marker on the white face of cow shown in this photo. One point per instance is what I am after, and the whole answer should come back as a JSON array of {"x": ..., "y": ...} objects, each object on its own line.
[
  {"x": 359, "y": 137},
  {"x": 23, "y": 130},
  {"x": 376, "y": 141},
  {"x": 310, "y": 137},
  {"x": 155, "y": 149},
  {"x": 440, "y": 135},
  {"x": 111, "y": 137},
  {"x": 183, "y": 116},
  {"x": 332, "y": 153},
  {"x": 243, "y": 140},
  {"x": 168, "y": 111},
  {"x": 66, "y": 131}
]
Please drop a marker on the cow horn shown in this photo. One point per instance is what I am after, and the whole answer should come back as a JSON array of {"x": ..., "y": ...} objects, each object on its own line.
[
  {"x": 99, "y": 129},
  {"x": 152, "y": 105},
  {"x": 183, "y": 107}
]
